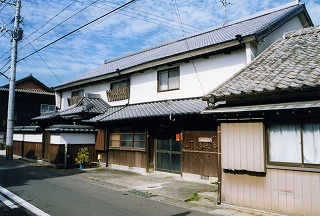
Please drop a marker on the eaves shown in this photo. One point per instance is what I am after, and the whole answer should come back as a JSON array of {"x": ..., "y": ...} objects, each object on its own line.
[{"x": 160, "y": 62}]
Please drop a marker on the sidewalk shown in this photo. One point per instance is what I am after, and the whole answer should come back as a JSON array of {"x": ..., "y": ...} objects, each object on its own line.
[{"x": 163, "y": 187}]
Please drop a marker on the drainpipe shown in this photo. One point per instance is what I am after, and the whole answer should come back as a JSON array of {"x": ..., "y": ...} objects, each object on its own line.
[{"x": 219, "y": 164}]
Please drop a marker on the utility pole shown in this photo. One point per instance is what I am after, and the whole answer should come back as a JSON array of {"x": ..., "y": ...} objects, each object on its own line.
[{"x": 16, "y": 35}]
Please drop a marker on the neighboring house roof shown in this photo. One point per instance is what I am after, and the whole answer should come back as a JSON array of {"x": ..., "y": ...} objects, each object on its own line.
[
  {"x": 291, "y": 63},
  {"x": 30, "y": 83},
  {"x": 29, "y": 91},
  {"x": 152, "y": 109},
  {"x": 266, "y": 107},
  {"x": 256, "y": 26},
  {"x": 86, "y": 105}
]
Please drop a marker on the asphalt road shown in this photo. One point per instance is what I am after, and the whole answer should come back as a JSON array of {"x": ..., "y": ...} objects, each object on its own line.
[{"x": 46, "y": 191}]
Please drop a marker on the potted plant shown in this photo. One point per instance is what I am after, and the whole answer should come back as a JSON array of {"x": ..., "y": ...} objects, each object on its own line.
[{"x": 82, "y": 157}]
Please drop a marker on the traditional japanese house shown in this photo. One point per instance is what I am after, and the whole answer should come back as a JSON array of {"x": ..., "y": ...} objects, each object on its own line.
[{"x": 269, "y": 120}]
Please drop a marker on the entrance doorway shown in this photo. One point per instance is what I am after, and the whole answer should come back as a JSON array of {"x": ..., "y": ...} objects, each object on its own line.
[{"x": 168, "y": 153}]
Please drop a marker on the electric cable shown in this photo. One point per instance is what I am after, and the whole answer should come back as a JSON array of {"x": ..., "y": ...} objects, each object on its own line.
[
  {"x": 53, "y": 17},
  {"x": 158, "y": 18},
  {"x": 45, "y": 62},
  {"x": 186, "y": 42},
  {"x": 81, "y": 27},
  {"x": 6, "y": 3},
  {"x": 59, "y": 24}
]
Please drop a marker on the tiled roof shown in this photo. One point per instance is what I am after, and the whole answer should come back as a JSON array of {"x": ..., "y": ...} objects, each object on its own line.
[
  {"x": 258, "y": 25},
  {"x": 26, "y": 128},
  {"x": 152, "y": 109},
  {"x": 290, "y": 63},
  {"x": 30, "y": 91},
  {"x": 265, "y": 107},
  {"x": 85, "y": 105},
  {"x": 47, "y": 115},
  {"x": 71, "y": 128}
]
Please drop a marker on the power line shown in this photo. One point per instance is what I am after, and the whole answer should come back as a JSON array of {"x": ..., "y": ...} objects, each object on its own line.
[
  {"x": 124, "y": 5},
  {"x": 59, "y": 24},
  {"x": 47, "y": 23},
  {"x": 186, "y": 42},
  {"x": 45, "y": 62},
  {"x": 6, "y": 3},
  {"x": 158, "y": 18},
  {"x": 54, "y": 17}
]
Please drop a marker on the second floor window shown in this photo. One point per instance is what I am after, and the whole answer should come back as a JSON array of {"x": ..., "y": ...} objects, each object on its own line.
[
  {"x": 79, "y": 93},
  {"x": 75, "y": 97},
  {"x": 119, "y": 90},
  {"x": 169, "y": 79}
]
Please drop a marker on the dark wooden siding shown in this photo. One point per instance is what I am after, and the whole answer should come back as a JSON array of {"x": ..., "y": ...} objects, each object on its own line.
[
  {"x": 56, "y": 154},
  {"x": 127, "y": 158},
  {"x": 100, "y": 140},
  {"x": 18, "y": 148},
  {"x": 32, "y": 150},
  {"x": 199, "y": 157}
]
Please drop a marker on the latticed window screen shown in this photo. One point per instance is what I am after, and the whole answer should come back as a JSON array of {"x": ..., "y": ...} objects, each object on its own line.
[{"x": 119, "y": 91}]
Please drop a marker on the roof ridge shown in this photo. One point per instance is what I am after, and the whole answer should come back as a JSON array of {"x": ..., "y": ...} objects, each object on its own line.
[{"x": 221, "y": 26}]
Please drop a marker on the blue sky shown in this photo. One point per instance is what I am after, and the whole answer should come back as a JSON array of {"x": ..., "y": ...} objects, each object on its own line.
[{"x": 143, "y": 24}]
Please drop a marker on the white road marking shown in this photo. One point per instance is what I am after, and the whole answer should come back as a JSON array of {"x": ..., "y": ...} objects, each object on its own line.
[
  {"x": 8, "y": 202},
  {"x": 23, "y": 203}
]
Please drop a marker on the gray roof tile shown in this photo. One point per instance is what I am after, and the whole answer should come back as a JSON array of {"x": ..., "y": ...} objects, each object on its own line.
[
  {"x": 280, "y": 67},
  {"x": 85, "y": 105},
  {"x": 71, "y": 128},
  {"x": 152, "y": 109},
  {"x": 258, "y": 25},
  {"x": 29, "y": 91},
  {"x": 265, "y": 107}
]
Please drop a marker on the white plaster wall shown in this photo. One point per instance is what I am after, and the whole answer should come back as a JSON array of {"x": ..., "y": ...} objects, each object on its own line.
[
  {"x": 72, "y": 138},
  {"x": 33, "y": 138},
  {"x": 18, "y": 137},
  {"x": 28, "y": 137},
  {"x": 291, "y": 25},
  {"x": 55, "y": 139},
  {"x": 195, "y": 80}
]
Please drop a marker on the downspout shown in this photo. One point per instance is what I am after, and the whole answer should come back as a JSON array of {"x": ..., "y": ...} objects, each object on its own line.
[{"x": 219, "y": 164}]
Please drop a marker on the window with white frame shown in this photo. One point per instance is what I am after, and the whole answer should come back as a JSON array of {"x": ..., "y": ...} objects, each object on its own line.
[
  {"x": 169, "y": 79},
  {"x": 295, "y": 143},
  {"x": 79, "y": 93},
  {"x": 47, "y": 108}
]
